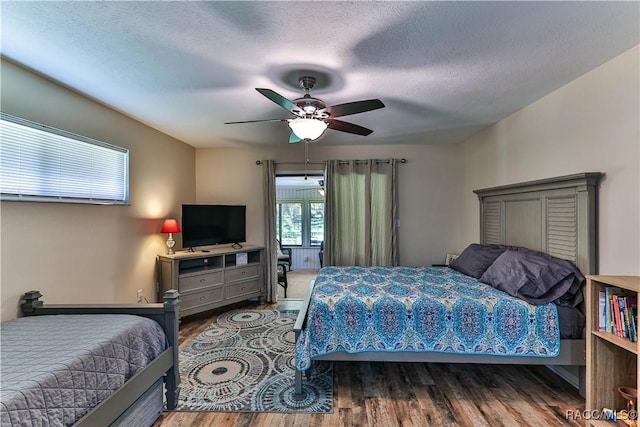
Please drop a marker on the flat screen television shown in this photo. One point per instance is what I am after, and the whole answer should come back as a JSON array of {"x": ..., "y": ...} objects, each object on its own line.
[{"x": 204, "y": 225}]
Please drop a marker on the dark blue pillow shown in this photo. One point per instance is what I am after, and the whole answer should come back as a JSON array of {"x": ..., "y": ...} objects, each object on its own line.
[{"x": 476, "y": 258}]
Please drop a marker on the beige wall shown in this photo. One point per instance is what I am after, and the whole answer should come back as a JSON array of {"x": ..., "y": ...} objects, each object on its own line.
[
  {"x": 589, "y": 125},
  {"x": 427, "y": 195},
  {"x": 89, "y": 253}
]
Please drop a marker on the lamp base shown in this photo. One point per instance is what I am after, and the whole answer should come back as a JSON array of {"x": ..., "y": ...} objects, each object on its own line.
[{"x": 170, "y": 244}]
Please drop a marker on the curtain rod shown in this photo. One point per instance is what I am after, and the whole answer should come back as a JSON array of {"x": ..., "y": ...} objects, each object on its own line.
[{"x": 259, "y": 162}]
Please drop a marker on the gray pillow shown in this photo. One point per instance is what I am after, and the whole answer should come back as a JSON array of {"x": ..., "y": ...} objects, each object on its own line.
[
  {"x": 535, "y": 277},
  {"x": 476, "y": 258}
]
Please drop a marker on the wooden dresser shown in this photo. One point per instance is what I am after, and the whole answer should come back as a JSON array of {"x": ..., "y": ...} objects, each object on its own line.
[{"x": 212, "y": 279}]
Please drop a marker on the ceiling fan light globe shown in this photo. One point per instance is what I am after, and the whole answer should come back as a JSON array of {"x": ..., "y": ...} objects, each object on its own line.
[{"x": 307, "y": 128}]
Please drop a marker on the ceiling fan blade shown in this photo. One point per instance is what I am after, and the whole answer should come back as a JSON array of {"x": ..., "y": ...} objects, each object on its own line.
[
  {"x": 353, "y": 107},
  {"x": 279, "y": 99},
  {"x": 293, "y": 138},
  {"x": 256, "y": 121},
  {"x": 347, "y": 127}
]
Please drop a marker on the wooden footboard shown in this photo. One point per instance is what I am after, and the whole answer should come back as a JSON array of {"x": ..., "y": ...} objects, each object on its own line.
[{"x": 164, "y": 366}]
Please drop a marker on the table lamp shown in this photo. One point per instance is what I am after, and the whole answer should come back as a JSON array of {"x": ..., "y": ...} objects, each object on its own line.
[{"x": 170, "y": 226}]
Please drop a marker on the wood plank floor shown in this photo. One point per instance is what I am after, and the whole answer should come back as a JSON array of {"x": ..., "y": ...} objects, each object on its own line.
[{"x": 413, "y": 394}]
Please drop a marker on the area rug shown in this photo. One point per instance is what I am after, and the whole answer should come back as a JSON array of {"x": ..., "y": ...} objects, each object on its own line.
[{"x": 244, "y": 362}]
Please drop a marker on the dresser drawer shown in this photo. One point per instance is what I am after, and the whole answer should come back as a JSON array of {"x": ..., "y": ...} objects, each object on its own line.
[
  {"x": 243, "y": 288},
  {"x": 197, "y": 299},
  {"x": 241, "y": 273},
  {"x": 197, "y": 281}
]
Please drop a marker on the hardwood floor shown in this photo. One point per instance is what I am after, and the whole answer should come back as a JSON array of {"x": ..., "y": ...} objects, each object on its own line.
[{"x": 413, "y": 394}]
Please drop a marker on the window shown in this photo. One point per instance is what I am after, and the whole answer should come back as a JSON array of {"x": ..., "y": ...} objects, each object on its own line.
[
  {"x": 289, "y": 226},
  {"x": 40, "y": 163},
  {"x": 300, "y": 209},
  {"x": 300, "y": 223},
  {"x": 316, "y": 222}
]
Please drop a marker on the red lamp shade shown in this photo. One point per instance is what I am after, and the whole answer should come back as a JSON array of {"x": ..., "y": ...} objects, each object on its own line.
[{"x": 170, "y": 226}]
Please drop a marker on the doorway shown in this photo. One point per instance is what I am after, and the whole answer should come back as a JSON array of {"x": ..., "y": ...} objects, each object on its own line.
[{"x": 299, "y": 216}]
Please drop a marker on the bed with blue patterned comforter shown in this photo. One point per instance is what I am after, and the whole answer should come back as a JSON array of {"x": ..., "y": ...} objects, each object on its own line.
[{"x": 420, "y": 309}]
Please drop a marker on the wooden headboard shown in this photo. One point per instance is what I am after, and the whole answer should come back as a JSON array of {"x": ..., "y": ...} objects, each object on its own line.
[{"x": 557, "y": 216}]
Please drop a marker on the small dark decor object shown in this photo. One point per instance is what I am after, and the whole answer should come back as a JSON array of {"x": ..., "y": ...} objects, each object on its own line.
[{"x": 630, "y": 395}]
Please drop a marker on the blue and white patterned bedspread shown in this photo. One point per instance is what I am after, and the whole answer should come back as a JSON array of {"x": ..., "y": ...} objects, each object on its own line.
[
  {"x": 417, "y": 309},
  {"x": 54, "y": 369}
]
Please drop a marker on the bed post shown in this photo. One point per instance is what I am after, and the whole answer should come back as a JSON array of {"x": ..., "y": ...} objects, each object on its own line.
[
  {"x": 31, "y": 302},
  {"x": 172, "y": 379}
]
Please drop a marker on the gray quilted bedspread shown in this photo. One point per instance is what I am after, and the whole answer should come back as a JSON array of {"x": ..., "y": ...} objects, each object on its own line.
[{"x": 54, "y": 369}]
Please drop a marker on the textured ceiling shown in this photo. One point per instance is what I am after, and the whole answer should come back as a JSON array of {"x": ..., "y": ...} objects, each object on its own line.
[{"x": 444, "y": 69}]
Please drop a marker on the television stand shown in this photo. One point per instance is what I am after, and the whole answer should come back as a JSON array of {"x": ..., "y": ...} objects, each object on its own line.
[{"x": 212, "y": 279}]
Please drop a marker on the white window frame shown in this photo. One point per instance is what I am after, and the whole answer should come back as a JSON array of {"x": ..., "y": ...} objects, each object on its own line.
[
  {"x": 279, "y": 221},
  {"x": 308, "y": 220},
  {"x": 70, "y": 168},
  {"x": 305, "y": 232}
]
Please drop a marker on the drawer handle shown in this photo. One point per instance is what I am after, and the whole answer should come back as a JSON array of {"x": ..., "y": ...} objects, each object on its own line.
[
  {"x": 243, "y": 288},
  {"x": 203, "y": 280},
  {"x": 203, "y": 298},
  {"x": 243, "y": 273}
]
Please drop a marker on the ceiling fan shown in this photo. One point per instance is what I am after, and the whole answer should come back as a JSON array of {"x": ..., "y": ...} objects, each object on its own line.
[
  {"x": 313, "y": 117},
  {"x": 319, "y": 188}
]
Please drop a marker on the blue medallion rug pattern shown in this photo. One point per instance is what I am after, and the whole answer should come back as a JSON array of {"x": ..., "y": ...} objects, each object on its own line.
[{"x": 245, "y": 362}]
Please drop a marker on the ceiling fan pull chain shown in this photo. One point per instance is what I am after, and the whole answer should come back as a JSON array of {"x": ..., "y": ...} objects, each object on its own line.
[{"x": 306, "y": 157}]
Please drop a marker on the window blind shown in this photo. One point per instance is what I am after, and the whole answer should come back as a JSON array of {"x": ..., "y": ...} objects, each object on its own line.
[{"x": 40, "y": 163}]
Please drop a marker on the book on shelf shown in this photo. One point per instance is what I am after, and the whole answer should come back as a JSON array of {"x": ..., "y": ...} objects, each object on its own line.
[
  {"x": 616, "y": 315},
  {"x": 607, "y": 309},
  {"x": 630, "y": 315},
  {"x": 617, "y": 312},
  {"x": 602, "y": 304},
  {"x": 628, "y": 306}
]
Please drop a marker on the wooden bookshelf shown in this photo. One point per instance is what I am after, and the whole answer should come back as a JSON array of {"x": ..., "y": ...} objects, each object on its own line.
[{"x": 612, "y": 361}]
